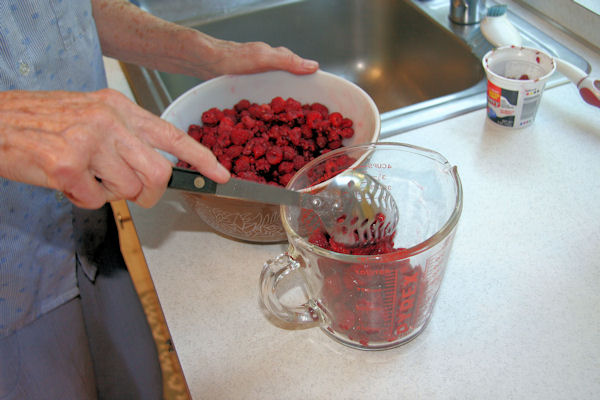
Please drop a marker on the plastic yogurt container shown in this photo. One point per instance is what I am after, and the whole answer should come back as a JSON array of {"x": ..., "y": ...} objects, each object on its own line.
[{"x": 516, "y": 79}]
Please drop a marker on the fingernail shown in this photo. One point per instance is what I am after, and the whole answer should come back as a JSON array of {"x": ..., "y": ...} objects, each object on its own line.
[
  {"x": 310, "y": 64},
  {"x": 222, "y": 172}
]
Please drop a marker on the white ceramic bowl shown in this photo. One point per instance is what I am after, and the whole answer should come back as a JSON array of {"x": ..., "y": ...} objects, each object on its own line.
[{"x": 251, "y": 221}]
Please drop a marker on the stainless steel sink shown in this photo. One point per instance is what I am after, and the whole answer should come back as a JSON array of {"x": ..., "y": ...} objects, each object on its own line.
[{"x": 417, "y": 65}]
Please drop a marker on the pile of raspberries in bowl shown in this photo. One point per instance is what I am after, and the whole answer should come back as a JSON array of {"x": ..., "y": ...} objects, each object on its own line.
[{"x": 264, "y": 127}]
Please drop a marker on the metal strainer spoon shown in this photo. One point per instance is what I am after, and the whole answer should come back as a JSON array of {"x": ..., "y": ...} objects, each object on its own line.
[{"x": 354, "y": 208}]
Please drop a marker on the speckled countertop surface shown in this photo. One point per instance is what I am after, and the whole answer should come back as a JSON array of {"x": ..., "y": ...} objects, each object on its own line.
[{"x": 518, "y": 315}]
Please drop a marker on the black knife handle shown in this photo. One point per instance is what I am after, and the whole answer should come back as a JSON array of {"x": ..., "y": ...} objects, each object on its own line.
[{"x": 186, "y": 179}]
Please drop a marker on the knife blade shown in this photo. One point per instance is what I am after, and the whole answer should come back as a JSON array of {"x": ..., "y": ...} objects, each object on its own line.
[{"x": 193, "y": 181}]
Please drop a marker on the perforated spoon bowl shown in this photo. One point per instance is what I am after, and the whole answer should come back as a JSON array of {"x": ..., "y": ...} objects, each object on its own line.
[{"x": 359, "y": 209}]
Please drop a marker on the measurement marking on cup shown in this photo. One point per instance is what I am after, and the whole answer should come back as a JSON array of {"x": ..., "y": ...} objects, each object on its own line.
[
  {"x": 391, "y": 282},
  {"x": 400, "y": 301}
]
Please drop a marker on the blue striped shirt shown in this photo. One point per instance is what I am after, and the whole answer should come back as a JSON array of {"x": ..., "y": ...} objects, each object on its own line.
[{"x": 44, "y": 45}]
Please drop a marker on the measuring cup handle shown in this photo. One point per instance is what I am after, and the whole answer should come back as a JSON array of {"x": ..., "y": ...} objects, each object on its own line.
[{"x": 273, "y": 273}]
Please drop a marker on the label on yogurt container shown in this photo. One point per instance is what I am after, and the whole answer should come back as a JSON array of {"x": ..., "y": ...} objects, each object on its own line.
[{"x": 512, "y": 108}]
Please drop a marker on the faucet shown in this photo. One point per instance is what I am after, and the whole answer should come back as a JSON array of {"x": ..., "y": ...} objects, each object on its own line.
[{"x": 467, "y": 12}]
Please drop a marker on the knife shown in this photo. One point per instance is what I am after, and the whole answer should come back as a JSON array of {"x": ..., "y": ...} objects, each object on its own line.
[{"x": 193, "y": 181}]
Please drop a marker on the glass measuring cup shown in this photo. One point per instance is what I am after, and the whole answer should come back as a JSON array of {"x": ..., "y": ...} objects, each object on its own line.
[{"x": 379, "y": 301}]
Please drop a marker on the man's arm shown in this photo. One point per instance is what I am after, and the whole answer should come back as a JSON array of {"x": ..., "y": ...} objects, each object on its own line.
[{"x": 135, "y": 36}]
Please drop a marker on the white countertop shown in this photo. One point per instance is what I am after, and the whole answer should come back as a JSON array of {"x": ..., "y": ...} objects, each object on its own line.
[{"x": 518, "y": 315}]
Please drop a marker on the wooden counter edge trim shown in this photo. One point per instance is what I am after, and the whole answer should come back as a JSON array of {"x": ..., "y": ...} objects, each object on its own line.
[{"x": 140, "y": 275}]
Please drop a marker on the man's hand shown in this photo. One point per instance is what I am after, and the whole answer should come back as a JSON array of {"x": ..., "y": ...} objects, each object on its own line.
[{"x": 94, "y": 147}]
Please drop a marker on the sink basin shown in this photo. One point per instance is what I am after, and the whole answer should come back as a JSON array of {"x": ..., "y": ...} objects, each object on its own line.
[
  {"x": 417, "y": 66},
  {"x": 388, "y": 47}
]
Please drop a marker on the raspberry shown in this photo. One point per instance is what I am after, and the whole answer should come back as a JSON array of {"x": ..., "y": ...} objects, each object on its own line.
[
  {"x": 259, "y": 148},
  {"x": 196, "y": 132},
  {"x": 321, "y": 109},
  {"x": 284, "y": 118},
  {"x": 242, "y": 164},
  {"x": 296, "y": 115},
  {"x": 225, "y": 125},
  {"x": 217, "y": 150},
  {"x": 292, "y": 104},
  {"x": 332, "y": 167},
  {"x": 209, "y": 140},
  {"x": 289, "y": 153},
  {"x": 262, "y": 165},
  {"x": 240, "y": 136},
  {"x": 285, "y": 167},
  {"x": 299, "y": 162},
  {"x": 277, "y": 104},
  {"x": 339, "y": 248},
  {"x": 233, "y": 151},
  {"x": 274, "y": 132},
  {"x": 312, "y": 119},
  {"x": 251, "y": 176},
  {"x": 282, "y": 141},
  {"x": 294, "y": 136},
  {"x": 308, "y": 156},
  {"x": 307, "y": 132},
  {"x": 212, "y": 116},
  {"x": 230, "y": 114},
  {"x": 308, "y": 144},
  {"x": 284, "y": 133},
  {"x": 242, "y": 105},
  {"x": 323, "y": 126},
  {"x": 335, "y": 144},
  {"x": 274, "y": 155},
  {"x": 335, "y": 118},
  {"x": 262, "y": 111},
  {"x": 333, "y": 134},
  {"x": 224, "y": 137},
  {"x": 259, "y": 128},
  {"x": 248, "y": 122},
  {"x": 285, "y": 179},
  {"x": 319, "y": 238},
  {"x": 321, "y": 141},
  {"x": 347, "y": 133}
]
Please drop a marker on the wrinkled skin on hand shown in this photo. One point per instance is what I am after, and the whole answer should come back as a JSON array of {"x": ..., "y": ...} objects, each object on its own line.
[{"x": 94, "y": 147}]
